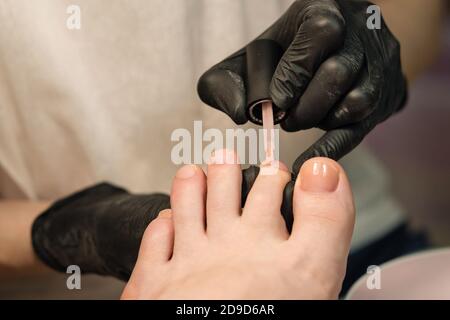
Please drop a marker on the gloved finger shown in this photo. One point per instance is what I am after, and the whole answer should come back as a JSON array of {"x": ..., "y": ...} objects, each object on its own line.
[
  {"x": 287, "y": 205},
  {"x": 321, "y": 31},
  {"x": 329, "y": 85},
  {"x": 335, "y": 143},
  {"x": 249, "y": 176},
  {"x": 359, "y": 103},
  {"x": 223, "y": 87}
]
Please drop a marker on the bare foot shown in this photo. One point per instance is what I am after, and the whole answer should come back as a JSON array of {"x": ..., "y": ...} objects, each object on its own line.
[{"x": 207, "y": 247}]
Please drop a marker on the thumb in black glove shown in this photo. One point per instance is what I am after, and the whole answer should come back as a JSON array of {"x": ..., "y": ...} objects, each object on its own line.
[{"x": 335, "y": 74}]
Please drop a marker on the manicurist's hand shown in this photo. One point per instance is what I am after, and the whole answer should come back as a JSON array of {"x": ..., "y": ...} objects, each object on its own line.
[
  {"x": 207, "y": 247},
  {"x": 336, "y": 74},
  {"x": 98, "y": 229}
]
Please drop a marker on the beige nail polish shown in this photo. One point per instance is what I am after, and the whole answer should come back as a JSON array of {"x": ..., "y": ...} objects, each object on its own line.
[
  {"x": 167, "y": 213},
  {"x": 319, "y": 176}
]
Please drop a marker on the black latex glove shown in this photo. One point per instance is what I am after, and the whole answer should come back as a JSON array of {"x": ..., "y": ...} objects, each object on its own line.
[
  {"x": 99, "y": 229},
  {"x": 335, "y": 74}
]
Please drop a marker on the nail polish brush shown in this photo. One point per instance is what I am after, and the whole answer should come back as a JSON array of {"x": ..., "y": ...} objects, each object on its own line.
[{"x": 263, "y": 57}]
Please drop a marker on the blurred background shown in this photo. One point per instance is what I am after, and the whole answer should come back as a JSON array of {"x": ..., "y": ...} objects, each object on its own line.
[{"x": 415, "y": 148}]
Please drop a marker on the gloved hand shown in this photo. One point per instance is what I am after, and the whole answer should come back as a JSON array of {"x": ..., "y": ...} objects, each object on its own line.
[
  {"x": 99, "y": 229},
  {"x": 335, "y": 74}
]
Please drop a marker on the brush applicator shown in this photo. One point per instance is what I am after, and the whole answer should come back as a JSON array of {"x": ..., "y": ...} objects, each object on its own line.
[{"x": 263, "y": 57}]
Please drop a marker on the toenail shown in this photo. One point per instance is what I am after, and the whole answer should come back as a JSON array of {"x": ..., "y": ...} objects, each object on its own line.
[
  {"x": 186, "y": 172},
  {"x": 223, "y": 157},
  {"x": 319, "y": 176},
  {"x": 165, "y": 214}
]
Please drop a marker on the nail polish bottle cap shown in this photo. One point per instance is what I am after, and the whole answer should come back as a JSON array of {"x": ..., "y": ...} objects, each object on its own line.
[{"x": 263, "y": 57}]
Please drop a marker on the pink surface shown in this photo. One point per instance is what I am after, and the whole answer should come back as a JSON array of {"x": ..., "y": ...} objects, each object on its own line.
[{"x": 419, "y": 276}]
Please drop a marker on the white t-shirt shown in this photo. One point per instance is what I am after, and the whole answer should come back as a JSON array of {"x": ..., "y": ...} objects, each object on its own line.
[{"x": 100, "y": 103}]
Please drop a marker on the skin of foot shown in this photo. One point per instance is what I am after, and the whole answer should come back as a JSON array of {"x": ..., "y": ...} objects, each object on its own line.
[{"x": 208, "y": 247}]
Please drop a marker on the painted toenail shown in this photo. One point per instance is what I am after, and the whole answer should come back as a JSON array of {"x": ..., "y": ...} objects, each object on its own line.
[{"x": 318, "y": 176}]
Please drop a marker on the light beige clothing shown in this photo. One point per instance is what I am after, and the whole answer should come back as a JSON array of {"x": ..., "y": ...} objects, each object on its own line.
[{"x": 100, "y": 103}]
